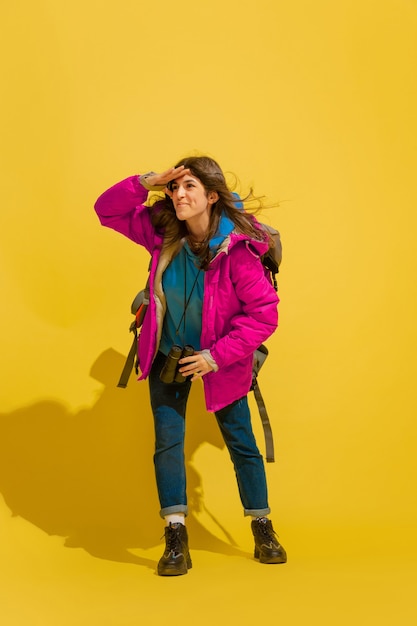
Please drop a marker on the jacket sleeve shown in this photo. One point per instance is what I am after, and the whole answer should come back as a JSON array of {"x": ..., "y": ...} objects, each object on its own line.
[
  {"x": 258, "y": 315},
  {"x": 122, "y": 208}
]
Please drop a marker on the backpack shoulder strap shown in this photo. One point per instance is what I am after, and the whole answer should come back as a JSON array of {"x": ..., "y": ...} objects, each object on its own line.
[
  {"x": 138, "y": 309},
  {"x": 272, "y": 259},
  {"x": 269, "y": 440},
  {"x": 130, "y": 360},
  {"x": 258, "y": 360}
]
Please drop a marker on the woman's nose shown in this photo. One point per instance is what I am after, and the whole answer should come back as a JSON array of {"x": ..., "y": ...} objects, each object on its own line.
[{"x": 180, "y": 191}]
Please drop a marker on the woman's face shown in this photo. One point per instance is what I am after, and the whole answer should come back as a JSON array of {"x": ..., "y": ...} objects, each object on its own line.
[{"x": 191, "y": 202}]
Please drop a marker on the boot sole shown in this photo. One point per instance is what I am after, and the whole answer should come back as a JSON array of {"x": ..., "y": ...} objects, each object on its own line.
[
  {"x": 174, "y": 570},
  {"x": 270, "y": 560}
]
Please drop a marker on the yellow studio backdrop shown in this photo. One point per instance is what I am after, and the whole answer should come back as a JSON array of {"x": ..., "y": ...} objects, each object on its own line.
[{"x": 312, "y": 103}]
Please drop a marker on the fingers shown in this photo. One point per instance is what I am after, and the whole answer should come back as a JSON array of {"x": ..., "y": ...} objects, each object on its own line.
[
  {"x": 172, "y": 173},
  {"x": 198, "y": 374},
  {"x": 158, "y": 182},
  {"x": 195, "y": 366}
]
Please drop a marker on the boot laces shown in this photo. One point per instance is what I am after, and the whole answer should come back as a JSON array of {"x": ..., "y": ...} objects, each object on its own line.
[
  {"x": 266, "y": 530},
  {"x": 173, "y": 539}
]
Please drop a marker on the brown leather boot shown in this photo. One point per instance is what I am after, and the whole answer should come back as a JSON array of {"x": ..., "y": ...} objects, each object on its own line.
[
  {"x": 267, "y": 547},
  {"x": 176, "y": 559}
]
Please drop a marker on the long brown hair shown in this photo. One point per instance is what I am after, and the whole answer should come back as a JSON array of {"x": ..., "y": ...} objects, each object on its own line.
[{"x": 212, "y": 178}]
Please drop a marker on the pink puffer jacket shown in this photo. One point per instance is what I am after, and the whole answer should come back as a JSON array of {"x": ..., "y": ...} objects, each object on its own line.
[{"x": 240, "y": 306}]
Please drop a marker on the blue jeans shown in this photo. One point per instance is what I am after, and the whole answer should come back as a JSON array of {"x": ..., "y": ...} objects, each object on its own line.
[{"x": 169, "y": 403}]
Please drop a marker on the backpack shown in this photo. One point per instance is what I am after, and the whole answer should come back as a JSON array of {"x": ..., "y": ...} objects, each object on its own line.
[{"x": 271, "y": 260}]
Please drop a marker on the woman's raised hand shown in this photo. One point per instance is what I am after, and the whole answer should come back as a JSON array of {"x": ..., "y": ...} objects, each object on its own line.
[{"x": 160, "y": 181}]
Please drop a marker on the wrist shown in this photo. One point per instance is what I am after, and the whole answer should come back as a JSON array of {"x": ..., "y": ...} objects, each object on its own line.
[
  {"x": 206, "y": 354},
  {"x": 146, "y": 181}
]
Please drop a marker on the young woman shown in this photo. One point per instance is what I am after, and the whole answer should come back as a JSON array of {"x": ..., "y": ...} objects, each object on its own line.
[{"x": 208, "y": 290}]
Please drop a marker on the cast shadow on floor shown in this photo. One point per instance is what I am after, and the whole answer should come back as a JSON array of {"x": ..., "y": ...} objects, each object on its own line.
[{"x": 88, "y": 477}]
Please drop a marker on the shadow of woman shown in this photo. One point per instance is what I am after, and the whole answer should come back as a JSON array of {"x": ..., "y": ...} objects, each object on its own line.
[{"x": 89, "y": 476}]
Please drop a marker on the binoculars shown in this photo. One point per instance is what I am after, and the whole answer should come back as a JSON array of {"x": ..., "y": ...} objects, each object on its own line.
[{"x": 170, "y": 372}]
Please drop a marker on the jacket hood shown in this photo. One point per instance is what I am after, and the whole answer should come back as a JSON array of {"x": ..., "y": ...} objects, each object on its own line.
[
  {"x": 227, "y": 237},
  {"x": 226, "y": 226}
]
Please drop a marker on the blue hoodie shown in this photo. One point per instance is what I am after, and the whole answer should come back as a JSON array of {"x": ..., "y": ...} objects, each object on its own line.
[{"x": 183, "y": 284}]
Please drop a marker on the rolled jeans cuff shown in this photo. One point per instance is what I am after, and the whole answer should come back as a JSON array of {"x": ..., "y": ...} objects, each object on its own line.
[
  {"x": 257, "y": 512},
  {"x": 176, "y": 508}
]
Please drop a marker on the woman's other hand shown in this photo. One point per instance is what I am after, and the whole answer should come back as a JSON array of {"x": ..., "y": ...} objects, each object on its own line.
[{"x": 195, "y": 366}]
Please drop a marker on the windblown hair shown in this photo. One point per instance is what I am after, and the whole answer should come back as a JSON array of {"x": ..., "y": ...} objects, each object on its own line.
[{"x": 212, "y": 178}]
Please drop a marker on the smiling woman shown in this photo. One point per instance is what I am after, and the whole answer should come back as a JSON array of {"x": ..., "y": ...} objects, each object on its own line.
[
  {"x": 192, "y": 204},
  {"x": 198, "y": 237},
  {"x": 199, "y": 183}
]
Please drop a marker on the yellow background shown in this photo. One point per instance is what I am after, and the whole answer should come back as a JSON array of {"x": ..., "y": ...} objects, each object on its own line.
[{"x": 312, "y": 102}]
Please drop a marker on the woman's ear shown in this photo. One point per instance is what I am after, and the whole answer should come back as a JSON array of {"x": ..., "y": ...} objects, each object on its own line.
[{"x": 212, "y": 197}]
